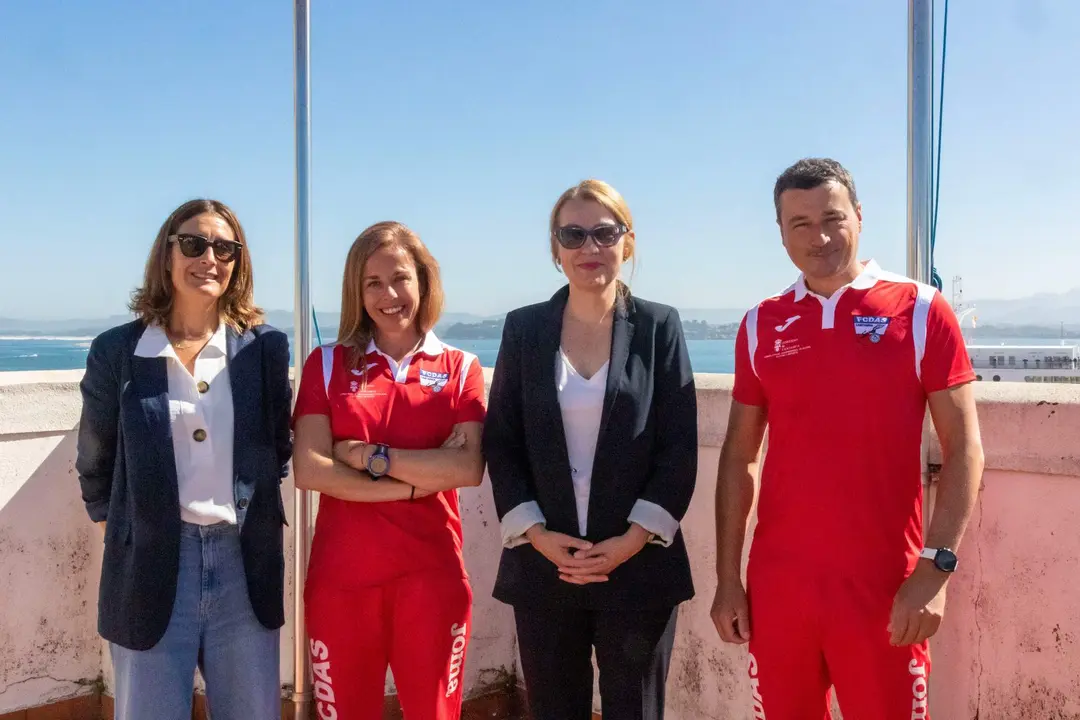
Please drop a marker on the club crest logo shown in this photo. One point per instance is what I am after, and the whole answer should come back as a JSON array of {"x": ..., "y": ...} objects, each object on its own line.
[
  {"x": 871, "y": 327},
  {"x": 433, "y": 381}
]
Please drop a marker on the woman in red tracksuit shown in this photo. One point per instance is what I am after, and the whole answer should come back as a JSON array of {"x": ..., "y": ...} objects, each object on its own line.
[{"x": 387, "y": 427}]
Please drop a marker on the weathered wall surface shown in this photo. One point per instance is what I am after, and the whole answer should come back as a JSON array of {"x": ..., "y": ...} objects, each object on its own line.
[
  {"x": 50, "y": 553},
  {"x": 1010, "y": 646},
  {"x": 50, "y": 559}
]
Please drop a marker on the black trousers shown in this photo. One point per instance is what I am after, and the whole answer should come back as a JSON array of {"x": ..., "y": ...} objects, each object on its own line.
[{"x": 633, "y": 653}]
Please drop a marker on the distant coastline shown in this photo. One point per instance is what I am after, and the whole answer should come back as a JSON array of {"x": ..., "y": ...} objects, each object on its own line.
[
  {"x": 60, "y": 338},
  {"x": 701, "y": 330},
  {"x": 697, "y": 325}
]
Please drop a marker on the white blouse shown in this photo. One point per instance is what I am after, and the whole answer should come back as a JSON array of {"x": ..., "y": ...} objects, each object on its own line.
[
  {"x": 582, "y": 403},
  {"x": 201, "y": 415}
]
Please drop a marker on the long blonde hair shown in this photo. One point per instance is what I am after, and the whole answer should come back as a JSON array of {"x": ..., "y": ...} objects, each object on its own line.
[
  {"x": 356, "y": 328},
  {"x": 153, "y": 302},
  {"x": 610, "y": 199}
]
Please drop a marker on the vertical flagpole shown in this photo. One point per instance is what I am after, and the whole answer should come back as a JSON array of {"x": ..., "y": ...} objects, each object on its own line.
[
  {"x": 919, "y": 159},
  {"x": 302, "y": 344},
  {"x": 919, "y": 137}
]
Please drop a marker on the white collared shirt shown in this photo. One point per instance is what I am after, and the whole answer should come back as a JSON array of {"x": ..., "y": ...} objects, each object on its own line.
[
  {"x": 201, "y": 415},
  {"x": 431, "y": 346},
  {"x": 866, "y": 279}
]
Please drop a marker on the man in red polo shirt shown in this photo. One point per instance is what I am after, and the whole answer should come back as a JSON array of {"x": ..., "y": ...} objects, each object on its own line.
[{"x": 841, "y": 588}]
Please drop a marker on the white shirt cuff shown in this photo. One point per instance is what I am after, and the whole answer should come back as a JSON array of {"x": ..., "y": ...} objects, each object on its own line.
[
  {"x": 517, "y": 521},
  {"x": 656, "y": 520}
]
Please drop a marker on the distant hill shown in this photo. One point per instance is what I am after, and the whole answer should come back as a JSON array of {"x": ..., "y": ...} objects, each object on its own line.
[
  {"x": 76, "y": 327},
  {"x": 1038, "y": 315},
  {"x": 715, "y": 316},
  {"x": 1039, "y": 310}
]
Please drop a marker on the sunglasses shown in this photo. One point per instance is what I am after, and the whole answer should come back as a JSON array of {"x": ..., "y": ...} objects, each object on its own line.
[
  {"x": 573, "y": 237},
  {"x": 193, "y": 246}
]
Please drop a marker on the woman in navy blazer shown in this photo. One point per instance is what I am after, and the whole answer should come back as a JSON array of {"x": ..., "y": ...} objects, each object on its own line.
[
  {"x": 183, "y": 442},
  {"x": 591, "y": 444}
]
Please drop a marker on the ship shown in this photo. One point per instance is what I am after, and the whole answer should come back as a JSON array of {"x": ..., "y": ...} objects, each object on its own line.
[{"x": 1035, "y": 363}]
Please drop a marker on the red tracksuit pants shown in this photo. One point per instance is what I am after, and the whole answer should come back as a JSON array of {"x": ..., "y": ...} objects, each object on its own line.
[
  {"x": 419, "y": 625},
  {"x": 808, "y": 633}
]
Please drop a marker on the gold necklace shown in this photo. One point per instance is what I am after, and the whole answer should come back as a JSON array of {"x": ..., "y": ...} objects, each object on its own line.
[{"x": 182, "y": 344}]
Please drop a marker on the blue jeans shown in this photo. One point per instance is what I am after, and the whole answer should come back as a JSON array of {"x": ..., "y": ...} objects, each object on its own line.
[{"x": 212, "y": 626}]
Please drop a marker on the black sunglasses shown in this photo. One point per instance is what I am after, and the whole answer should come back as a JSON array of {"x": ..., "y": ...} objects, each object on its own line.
[
  {"x": 193, "y": 246},
  {"x": 572, "y": 237}
]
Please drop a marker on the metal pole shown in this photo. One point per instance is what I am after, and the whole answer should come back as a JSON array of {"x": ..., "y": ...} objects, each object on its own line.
[
  {"x": 302, "y": 344},
  {"x": 919, "y": 136},
  {"x": 919, "y": 168}
]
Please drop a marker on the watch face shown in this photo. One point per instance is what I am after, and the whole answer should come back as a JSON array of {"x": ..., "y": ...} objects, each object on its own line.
[
  {"x": 945, "y": 560},
  {"x": 378, "y": 464}
]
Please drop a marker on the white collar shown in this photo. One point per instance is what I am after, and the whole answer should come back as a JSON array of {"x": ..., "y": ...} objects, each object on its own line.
[
  {"x": 155, "y": 343},
  {"x": 430, "y": 346},
  {"x": 865, "y": 280}
]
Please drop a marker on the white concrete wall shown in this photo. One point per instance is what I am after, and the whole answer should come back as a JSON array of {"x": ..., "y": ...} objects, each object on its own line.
[
  {"x": 50, "y": 553},
  {"x": 50, "y": 559},
  {"x": 1008, "y": 648}
]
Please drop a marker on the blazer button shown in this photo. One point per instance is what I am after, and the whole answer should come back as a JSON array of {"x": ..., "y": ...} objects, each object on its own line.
[
  {"x": 242, "y": 503},
  {"x": 199, "y": 435},
  {"x": 203, "y": 386}
]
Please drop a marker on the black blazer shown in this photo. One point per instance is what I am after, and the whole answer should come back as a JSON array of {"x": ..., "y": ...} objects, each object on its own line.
[
  {"x": 128, "y": 476},
  {"x": 646, "y": 449}
]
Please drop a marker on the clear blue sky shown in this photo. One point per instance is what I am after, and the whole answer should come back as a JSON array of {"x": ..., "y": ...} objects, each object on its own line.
[{"x": 467, "y": 120}]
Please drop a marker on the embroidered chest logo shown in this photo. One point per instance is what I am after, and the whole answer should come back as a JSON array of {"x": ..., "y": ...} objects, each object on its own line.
[
  {"x": 871, "y": 327},
  {"x": 787, "y": 348},
  {"x": 354, "y": 385},
  {"x": 433, "y": 381}
]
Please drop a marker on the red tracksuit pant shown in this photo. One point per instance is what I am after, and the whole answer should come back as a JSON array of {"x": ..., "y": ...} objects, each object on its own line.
[
  {"x": 419, "y": 625},
  {"x": 808, "y": 633}
]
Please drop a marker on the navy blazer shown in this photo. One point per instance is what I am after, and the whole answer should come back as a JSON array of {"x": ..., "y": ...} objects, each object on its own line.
[
  {"x": 128, "y": 476},
  {"x": 646, "y": 449}
]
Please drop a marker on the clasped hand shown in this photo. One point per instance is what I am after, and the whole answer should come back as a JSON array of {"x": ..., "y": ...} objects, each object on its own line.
[{"x": 581, "y": 562}]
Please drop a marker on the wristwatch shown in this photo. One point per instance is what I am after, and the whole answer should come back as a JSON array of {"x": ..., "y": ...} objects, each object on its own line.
[
  {"x": 944, "y": 558},
  {"x": 378, "y": 463}
]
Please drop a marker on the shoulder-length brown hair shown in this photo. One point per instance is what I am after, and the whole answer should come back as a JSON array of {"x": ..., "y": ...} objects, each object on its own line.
[
  {"x": 356, "y": 328},
  {"x": 152, "y": 302}
]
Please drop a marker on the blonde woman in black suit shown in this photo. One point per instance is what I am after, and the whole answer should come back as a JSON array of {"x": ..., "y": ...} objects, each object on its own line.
[{"x": 591, "y": 444}]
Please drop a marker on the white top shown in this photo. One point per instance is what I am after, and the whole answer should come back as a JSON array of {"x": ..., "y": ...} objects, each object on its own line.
[
  {"x": 202, "y": 426},
  {"x": 582, "y": 403}
]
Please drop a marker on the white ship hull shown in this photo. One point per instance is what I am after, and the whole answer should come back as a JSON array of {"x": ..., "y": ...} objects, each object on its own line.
[
  {"x": 1026, "y": 363},
  {"x": 1030, "y": 376}
]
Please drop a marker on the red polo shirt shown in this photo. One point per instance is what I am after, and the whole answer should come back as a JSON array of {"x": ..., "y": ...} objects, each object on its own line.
[
  {"x": 412, "y": 405},
  {"x": 845, "y": 381}
]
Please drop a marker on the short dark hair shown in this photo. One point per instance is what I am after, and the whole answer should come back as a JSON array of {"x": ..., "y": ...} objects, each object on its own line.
[{"x": 810, "y": 173}]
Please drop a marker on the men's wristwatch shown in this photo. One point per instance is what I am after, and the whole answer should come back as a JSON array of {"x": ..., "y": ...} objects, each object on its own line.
[
  {"x": 378, "y": 463},
  {"x": 944, "y": 558}
]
